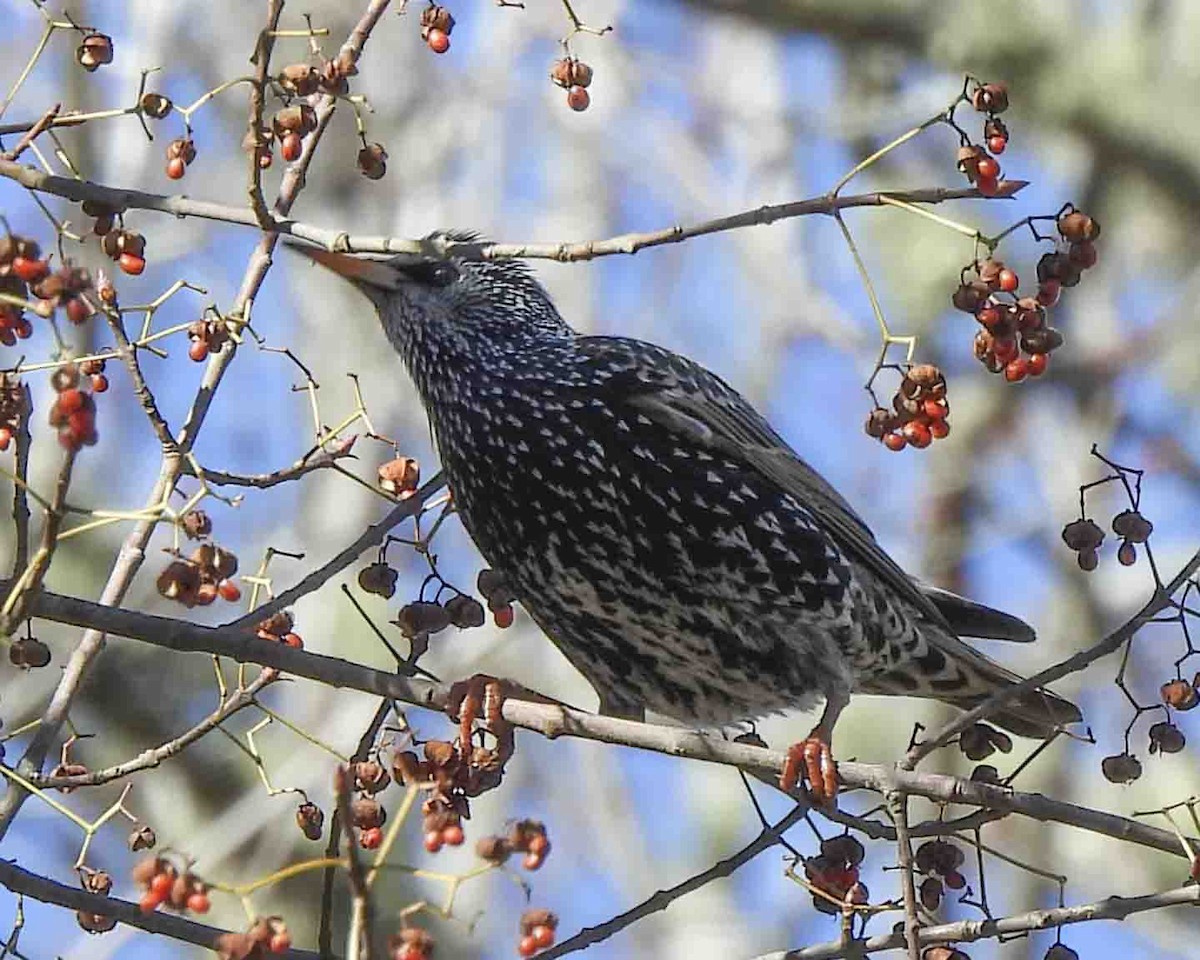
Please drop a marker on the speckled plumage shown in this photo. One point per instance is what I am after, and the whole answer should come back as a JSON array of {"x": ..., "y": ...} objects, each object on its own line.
[{"x": 667, "y": 540}]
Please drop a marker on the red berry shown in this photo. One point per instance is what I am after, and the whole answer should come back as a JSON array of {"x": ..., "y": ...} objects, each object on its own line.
[
  {"x": 433, "y": 841},
  {"x": 176, "y": 168},
  {"x": 438, "y": 40},
  {"x": 280, "y": 943},
  {"x": 131, "y": 263},
  {"x": 198, "y": 903},
  {"x": 5, "y": 438},
  {"x": 1007, "y": 281},
  {"x": 292, "y": 640},
  {"x": 527, "y": 947},
  {"x": 1037, "y": 363},
  {"x": 894, "y": 441},
  {"x": 1016, "y": 370},
  {"x": 371, "y": 838},
  {"x": 99, "y": 383},
  {"x": 935, "y": 409},
  {"x": 532, "y": 861},
  {"x": 1048, "y": 292},
  {"x": 149, "y": 902},
  {"x": 917, "y": 433},
  {"x": 452, "y": 836},
  {"x": 198, "y": 350},
  {"x": 71, "y": 401},
  {"x": 77, "y": 310},
  {"x": 987, "y": 186},
  {"x": 503, "y": 616},
  {"x": 30, "y": 270},
  {"x": 229, "y": 591},
  {"x": 955, "y": 880},
  {"x": 160, "y": 885},
  {"x": 939, "y": 429},
  {"x": 543, "y": 936},
  {"x": 539, "y": 845},
  {"x": 997, "y": 144},
  {"x": 291, "y": 145},
  {"x": 1005, "y": 349},
  {"x": 24, "y": 329},
  {"x": 578, "y": 99},
  {"x": 987, "y": 169},
  {"x": 1082, "y": 254},
  {"x": 989, "y": 316}
]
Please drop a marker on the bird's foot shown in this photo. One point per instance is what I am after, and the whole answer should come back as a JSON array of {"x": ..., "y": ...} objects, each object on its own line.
[{"x": 811, "y": 760}]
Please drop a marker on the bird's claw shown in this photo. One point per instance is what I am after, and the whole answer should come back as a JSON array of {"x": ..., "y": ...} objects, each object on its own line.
[{"x": 811, "y": 760}]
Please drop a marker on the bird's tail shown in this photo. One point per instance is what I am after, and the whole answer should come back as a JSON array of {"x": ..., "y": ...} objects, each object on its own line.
[{"x": 954, "y": 673}]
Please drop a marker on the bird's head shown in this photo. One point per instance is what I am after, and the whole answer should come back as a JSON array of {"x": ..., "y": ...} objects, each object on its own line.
[{"x": 423, "y": 298}]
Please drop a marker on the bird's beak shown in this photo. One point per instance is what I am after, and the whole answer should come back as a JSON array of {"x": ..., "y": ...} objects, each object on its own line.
[{"x": 364, "y": 271}]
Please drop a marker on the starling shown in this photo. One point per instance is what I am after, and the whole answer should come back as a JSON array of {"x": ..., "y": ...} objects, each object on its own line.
[{"x": 672, "y": 545}]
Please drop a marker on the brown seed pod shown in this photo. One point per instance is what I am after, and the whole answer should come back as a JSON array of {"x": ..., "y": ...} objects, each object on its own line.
[
  {"x": 196, "y": 524},
  {"x": 493, "y": 849},
  {"x": 1132, "y": 526},
  {"x": 370, "y": 776},
  {"x": 142, "y": 837},
  {"x": 94, "y": 51},
  {"x": 1060, "y": 951},
  {"x": 378, "y": 578},
  {"x": 930, "y": 893},
  {"x": 435, "y": 17},
  {"x": 844, "y": 849},
  {"x": 990, "y": 98},
  {"x": 372, "y": 161},
  {"x": 366, "y": 813},
  {"x": 1166, "y": 738},
  {"x": 400, "y": 476},
  {"x": 299, "y": 79},
  {"x": 153, "y": 105},
  {"x": 465, "y": 612},
  {"x": 94, "y": 922},
  {"x": 1121, "y": 768},
  {"x": 1042, "y": 340},
  {"x": 1082, "y": 535},
  {"x": 1179, "y": 695},
  {"x": 1078, "y": 227},
  {"x": 310, "y": 819}
]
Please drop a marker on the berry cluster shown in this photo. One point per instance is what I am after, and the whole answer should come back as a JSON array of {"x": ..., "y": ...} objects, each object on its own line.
[
  {"x": 69, "y": 287},
  {"x": 163, "y": 884},
  {"x": 127, "y": 248},
  {"x": 411, "y": 943},
  {"x": 400, "y": 477},
  {"x": 537, "y": 930},
  {"x": 499, "y": 596},
  {"x": 975, "y": 163},
  {"x": 1084, "y": 536},
  {"x": 94, "y": 51},
  {"x": 13, "y": 409},
  {"x": 526, "y": 836},
  {"x": 266, "y": 935},
  {"x": 918, "y": 414},
  {"x": 181, "y": 152},
  {"x": 278, "y": 628},
  {"x": 207, "y": 336},
  {"x": 575, "y": 77},
  {"x": 28, "y": 653},
  {"x": 73, "y": 412},
  {"x": 834, "y": 871},
  {"x": 204, "y": 576},
  {"x": 436, "y": 25},
  {"x": 939, "y": 860},
  {"x": 1014, "y": 338}
]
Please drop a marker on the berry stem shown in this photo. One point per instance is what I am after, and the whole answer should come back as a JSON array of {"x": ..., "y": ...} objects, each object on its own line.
[{"x": 971, "y": 232}]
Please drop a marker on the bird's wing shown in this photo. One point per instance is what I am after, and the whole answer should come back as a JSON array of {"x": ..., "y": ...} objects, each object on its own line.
[{"x": 696, "y": 404}]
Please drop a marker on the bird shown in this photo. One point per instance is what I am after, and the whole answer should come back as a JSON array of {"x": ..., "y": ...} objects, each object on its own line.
[{"x": 673, "y": 546}]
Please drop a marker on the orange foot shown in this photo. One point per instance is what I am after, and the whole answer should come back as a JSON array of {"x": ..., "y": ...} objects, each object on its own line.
[{"x": 811, "y": 760}]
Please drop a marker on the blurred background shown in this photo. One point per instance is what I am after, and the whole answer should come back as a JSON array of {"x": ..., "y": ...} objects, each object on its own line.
[{"x": 699, "y": 109}]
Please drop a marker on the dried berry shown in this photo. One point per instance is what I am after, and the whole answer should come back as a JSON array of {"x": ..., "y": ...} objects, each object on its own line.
[
  {"x": 1166, "y": 738},
  {"x": 990, "y": 98},
  {"x": 372, "y": 161},
  {"x": 1179, "y": 695},
  {"x": 1082, "y": 535},
  {"x": 310, "y": 819},
  {"x": 1121, "y": 768},
  {"x": 94, "y": 51},
  {"x": 378, "y": 578},
  {"x": 1132, "y": 526}
]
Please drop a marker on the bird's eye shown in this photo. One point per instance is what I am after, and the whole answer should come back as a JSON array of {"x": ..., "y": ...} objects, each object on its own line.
[{"x": 433, "y": 273}]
